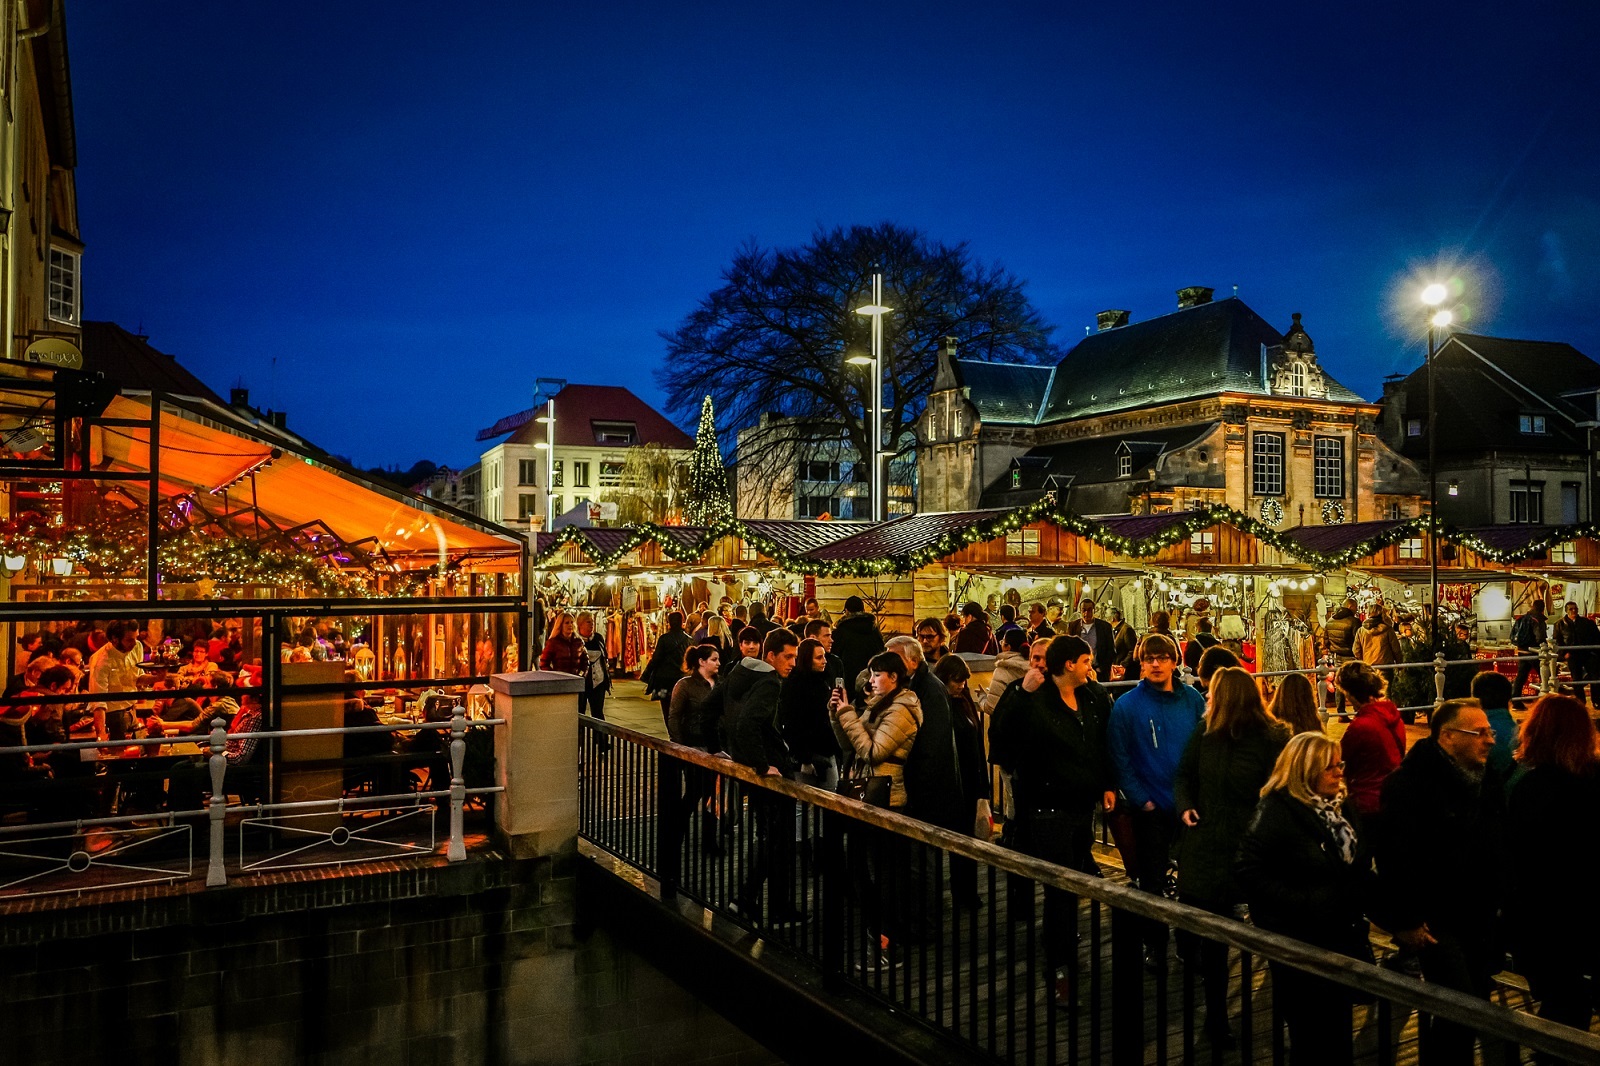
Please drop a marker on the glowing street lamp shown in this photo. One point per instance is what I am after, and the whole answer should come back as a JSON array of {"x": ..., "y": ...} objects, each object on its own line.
[
  {"x": 1432, "y": 296},
  {"x": 875, "y": 310},
  {"x": 548, "y": 446}
]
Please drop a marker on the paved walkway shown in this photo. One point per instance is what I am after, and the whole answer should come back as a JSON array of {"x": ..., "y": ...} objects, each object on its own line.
[{"x": 628, "y": 707}]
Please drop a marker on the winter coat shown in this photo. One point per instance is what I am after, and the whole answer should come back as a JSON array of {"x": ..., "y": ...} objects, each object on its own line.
[
  {"x": 685, "y": 713},
  {"x": 1220, "y": 778},
  {"x": 885, "y": 738},
  {"x": 972, "y": 759},
  {"x": 597, "y": 643},
  {"x": 1008, "y": 667},
  {"x": 1376, "y": 644},
  {"x": 1197, "y": 646},
  {"x": 1124, "y": 641},
  {"x": 1554, "y": 817},
  {"x": 1340, "y": 633},
  {"x": 1442, "y": 855},
  {"x": 803, "y": 717},
  {"x": 1105, "y": 644},
  {"x": 1413, "y": 687},
  {"x": 1373, "y": 746},
  {"x": 1295, "y": 881},
  {"x": 975, "y": 637},
  {"x": 1580, "y": 631},
  {"x": 565, "y": 655},
  {"x": 750, "y": 718},
  {"x": 933, "y": 775},
  {"x": 1057, "y": 757},
  {"x": 1148, "y": 732},
  {"x": 856, "y": 640},
  {"x": 666, "y": 661}
]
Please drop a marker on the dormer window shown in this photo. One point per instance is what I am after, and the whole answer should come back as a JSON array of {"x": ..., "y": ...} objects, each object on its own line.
[
  {"x": 615, "y": 432},
  {"x": 1297, "y": 378},
  {"x": 1125, "y": 466},
  {"x": 1531, "y": 424},
  {"x": 1016, "y": 477}
]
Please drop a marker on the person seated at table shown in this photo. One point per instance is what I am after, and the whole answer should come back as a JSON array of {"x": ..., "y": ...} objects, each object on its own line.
[
  {"x": 72, "y": 658},
  {"x": 198, "y": 668},
  {"x": 57, "y": 723},
  {"x": 179, "y": 714}
]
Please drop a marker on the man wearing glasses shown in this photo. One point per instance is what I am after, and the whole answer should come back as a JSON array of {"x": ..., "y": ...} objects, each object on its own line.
[{"x": 1441, "y": 860}]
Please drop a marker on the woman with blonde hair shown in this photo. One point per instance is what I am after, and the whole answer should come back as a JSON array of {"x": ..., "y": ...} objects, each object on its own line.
[
  {"x": 1295, "y": 705},
  {"x": 1306, "y": 873},
  {"x": 1218, "y": 785}
]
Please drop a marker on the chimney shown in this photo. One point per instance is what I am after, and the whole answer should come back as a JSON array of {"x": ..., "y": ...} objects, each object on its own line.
[
  {"x": 1193, "y": 296},
  {"x": 1111, "y": 319},
  {"x": 278, "y": 418},
  {"x": 239, "y": 396},
  {"x": 950, "y": 347}
]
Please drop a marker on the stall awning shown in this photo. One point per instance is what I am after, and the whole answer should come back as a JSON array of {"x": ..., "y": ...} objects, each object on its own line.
[{"x": 204, "y": 448}]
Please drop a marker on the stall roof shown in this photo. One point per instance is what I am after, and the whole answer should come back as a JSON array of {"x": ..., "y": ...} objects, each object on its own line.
[
  {"x": 1516, "y": 541},
  {"x": 1331, "y": 540},
  {"x": 902, "y": 536},
  {"x": 800, "y": 537},
  {"x": 204, "y": 446},
  {"x": 1144, "y": 526}
]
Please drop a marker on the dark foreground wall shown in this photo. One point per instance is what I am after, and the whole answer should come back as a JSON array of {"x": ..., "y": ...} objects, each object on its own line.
[{"x": 473, "y": 963}]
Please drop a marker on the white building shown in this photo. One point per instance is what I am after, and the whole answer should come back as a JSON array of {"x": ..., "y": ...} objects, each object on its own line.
[{"x": 595, "y": 427}]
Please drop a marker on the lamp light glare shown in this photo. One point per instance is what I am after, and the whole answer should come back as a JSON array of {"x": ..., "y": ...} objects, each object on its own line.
[
  {"x": 1442, "y": 318},
  {"x": 1435, "y": 294}
]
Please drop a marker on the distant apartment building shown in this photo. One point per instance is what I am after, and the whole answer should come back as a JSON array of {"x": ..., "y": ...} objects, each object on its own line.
[
  {"x": 788, "y": 468},
  {"x": 596, "y": 427}
]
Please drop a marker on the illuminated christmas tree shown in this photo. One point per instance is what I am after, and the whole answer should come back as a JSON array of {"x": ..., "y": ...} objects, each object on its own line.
[{"x": 707, "y": 502}]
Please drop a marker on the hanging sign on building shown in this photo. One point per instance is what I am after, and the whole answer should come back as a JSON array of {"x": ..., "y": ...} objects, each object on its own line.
[{"x": 54, "y": 351}]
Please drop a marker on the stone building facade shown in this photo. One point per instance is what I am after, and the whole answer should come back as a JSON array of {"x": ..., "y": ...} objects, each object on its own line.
[{"x": 1207, "y": 405}]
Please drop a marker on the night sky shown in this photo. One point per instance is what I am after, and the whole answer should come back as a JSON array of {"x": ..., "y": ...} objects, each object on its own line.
[{"x": 417, "y": 209}]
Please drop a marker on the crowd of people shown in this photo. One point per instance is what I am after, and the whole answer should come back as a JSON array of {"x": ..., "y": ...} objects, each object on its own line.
[{"x": 1241, "y": 788}]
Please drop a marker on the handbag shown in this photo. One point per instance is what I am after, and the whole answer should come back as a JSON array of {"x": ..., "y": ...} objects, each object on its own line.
[
  {"x": 983, "y": 822},
  {"x": 865, "y": 786}
]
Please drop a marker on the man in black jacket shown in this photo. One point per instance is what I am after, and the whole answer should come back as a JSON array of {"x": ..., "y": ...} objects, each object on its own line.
[
  {"x": 754, "y": 739},
  {"x": 1578, "y": 635},
  {"x": 1056, "y": 753},
  {"x": 856, "y": 638},
  {"x": 1441, "y": 861},
  {"x": 1095, "y": 632}
]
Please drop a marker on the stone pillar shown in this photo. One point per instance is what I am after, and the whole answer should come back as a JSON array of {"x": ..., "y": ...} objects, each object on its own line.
[{"x": 536, "y": 761}]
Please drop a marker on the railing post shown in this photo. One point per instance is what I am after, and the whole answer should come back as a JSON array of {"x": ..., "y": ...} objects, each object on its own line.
[
  {"x": 1548, "y": 657},
  {"x": 1438, "y": 680},
  {"x": 217, "y": 806},
  {"x": 457, "y": 850},
  {"x": 835, "y": 883},
  {"x": 670, "y": 815},
  {"x": 1127, "y": 988}
]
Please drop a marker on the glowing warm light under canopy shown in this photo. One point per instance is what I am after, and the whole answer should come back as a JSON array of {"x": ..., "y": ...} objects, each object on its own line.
[{"x": 1435, "y": 294}]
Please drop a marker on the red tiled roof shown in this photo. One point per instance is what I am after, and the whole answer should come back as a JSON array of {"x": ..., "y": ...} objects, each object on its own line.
[
  {"x": 902, "y": 535},
  {"x": 578, "y": 407}
]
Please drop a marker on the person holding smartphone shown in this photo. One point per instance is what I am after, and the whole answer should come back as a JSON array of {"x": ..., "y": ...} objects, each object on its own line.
[{"x": 804, "y": 718}]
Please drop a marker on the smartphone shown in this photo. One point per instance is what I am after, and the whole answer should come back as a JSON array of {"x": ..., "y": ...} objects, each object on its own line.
[{"x": 838, "y": 687}]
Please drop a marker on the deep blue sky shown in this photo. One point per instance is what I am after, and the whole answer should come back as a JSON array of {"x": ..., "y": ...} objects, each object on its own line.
[{"x": 417, "y": 209}]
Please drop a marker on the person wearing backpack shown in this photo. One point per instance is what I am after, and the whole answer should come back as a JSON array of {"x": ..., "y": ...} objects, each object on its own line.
[{"x": 1528, "y": 633}]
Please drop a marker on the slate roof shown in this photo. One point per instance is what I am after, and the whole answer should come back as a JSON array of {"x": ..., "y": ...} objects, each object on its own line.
[
  {"x": 1327, "y": 540},
  {"x": 1483, "y": 385},
  {"x": 799, "y": 537},
  {"x": 578, "y": 407},
  {"x": 1197, "y": 351},
  {"x": 130, "y": 362},
  {"x": 1089, "y": 461},
  {"x": 903, "y": 535},
  {"x": 1005, "y": 392}
]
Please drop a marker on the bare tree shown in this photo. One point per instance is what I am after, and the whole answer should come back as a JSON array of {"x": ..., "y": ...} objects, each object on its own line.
[{"x": 773, "y": 338}]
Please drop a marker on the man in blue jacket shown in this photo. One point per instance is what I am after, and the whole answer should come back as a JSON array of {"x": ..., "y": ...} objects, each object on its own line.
[{"x": 1150, "y": 725}]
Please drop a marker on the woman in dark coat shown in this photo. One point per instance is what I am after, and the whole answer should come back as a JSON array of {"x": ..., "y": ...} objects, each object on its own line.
[
  {"x": 1218, "y": 785},
  {"x": 803, "y": 715},
  {"x": 666, "y": 664},
  {"x": 974, "y": 763},
  {"x": 1554, "y": 811},
  {"x": 1306, "y": 872}
]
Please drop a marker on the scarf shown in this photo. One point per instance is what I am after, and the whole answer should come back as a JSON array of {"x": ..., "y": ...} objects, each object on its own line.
[{"x": 1344, "y": 837}]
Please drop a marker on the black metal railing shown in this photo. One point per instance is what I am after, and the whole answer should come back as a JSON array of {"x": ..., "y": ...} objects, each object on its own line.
[{"x": 1018, "y": 959}]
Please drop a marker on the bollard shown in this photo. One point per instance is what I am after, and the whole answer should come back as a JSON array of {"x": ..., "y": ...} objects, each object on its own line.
[
  {"x": 1438, "y": 680},
  {"x": 217, "y": 805},
  {"x": 457, "y": 850}
]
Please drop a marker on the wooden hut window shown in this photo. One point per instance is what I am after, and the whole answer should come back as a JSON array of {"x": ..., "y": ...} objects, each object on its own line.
[
  {"x": 1565, "y": 552},
  {"x": 1411, "y": 548},
  {"x": 1203, "y": 542},
  {"x": 1023, "y": 542}
]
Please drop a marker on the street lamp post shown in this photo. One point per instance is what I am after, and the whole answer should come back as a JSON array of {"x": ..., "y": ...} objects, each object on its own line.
[
  {"x": 548, "y": 446},
  {"x": 1433, "y": 296},
  {"x": 875, "y": 310}
]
